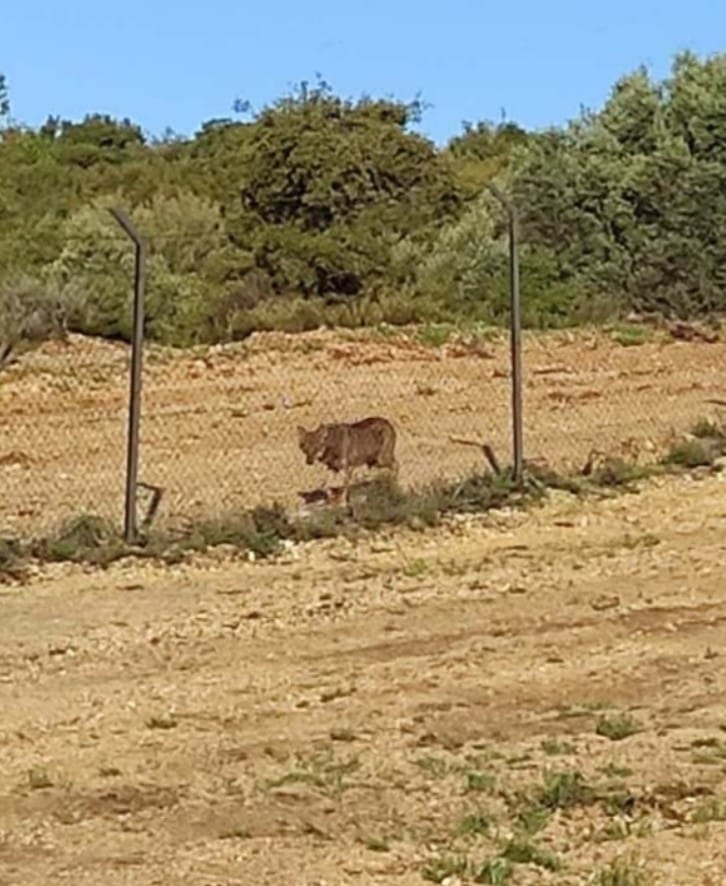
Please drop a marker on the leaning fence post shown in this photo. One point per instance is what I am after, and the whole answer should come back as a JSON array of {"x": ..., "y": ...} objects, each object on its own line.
[
  {"x": 515, "y": 335},
  {"x": 137, "y": 345}
]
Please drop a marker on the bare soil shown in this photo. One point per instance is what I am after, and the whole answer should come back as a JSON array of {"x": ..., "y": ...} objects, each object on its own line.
[
  {"x": 371, "y": 712},
  {"x": 219, "y": 424}
]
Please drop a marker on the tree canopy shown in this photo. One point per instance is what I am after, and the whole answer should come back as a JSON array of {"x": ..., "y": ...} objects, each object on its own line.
[{"x": 320, "y": 208}]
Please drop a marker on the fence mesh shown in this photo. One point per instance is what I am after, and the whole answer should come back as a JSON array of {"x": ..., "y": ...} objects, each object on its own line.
[{"x": 219, "y": 425}]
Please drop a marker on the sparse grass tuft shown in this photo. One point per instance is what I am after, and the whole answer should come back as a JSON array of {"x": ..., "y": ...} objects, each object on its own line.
[
  {"x": 496, "y": 872},
  {"x": 382, "y": 502},
  {"x": 706, "y": 429},
  {"x": 562, "y": 790},
  {"x": 480, "y": 781},
  {"x": 615, "y": 472},
  {"x": 321, "y": 770},
  {"x": 87, "y": 538},
  {"x": 523, "y": 852},
  {"x": 622, "y": 872},
  {"x": 475, "y": 823},
  {"x": 11, "y": 557},
  {"x": 532, "y": 819},
  {"x": 617, "y": 727},
  {"x": 436, "y": 766},
  {"x": 689, "y": 454},
  {"x": 555, "y": 748},
  {"x": 444, "y": 866},
  {"x": 713, "y": 809}
]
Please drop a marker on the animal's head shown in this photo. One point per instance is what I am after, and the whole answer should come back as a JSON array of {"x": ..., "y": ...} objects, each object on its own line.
[{"x": 312, "y": 443}]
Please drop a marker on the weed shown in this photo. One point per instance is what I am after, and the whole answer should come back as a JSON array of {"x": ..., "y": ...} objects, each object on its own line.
[
  {"x": 562, "y": 790},
  {"x": 259, "y": 531},
  {"x": 532, "y": 819},
  {"x": 496, "y": 872},
  {"x": 482, "y": 492},
  {"x": 555, "y": 748},
  {"x": 621, "y": 872},
  {"x": 480, "y": 781},
  {"x": 320, "y": 770},
  {"x": 617, "y": 727},
  {"x": 523, "y": 852},
  {"x": 11, "y": 557},
  {"x": 87, "y": 538},
  {"x": 689, "y": 454},
  {"x": 705, "y": 429},
  {"x": 712, "y": 810},
  {"x": 619, "y": 802},
  {"x": 435, "y": 766},
  {"x": 712, "y": 753},
  {"x": 439, "y": 869},
  {"x": 475, "y": 823},
  {"x": 416, "y": 568},
  {"x": 613, "y": 830},
  {"x": 382, "y": 502},
  {"x": 616, "y": 472}
]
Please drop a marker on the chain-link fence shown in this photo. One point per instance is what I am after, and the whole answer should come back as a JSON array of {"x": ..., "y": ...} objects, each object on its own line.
[{"x": 219, "y": 425}]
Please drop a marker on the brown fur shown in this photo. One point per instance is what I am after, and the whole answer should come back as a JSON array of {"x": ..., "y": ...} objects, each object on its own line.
[{"x": 370, "y": 442}]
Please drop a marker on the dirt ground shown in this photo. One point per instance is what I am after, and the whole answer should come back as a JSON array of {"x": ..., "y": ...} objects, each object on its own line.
[
  {"x": 419, "y": 704},
  {"x": 219, "y": 425}
]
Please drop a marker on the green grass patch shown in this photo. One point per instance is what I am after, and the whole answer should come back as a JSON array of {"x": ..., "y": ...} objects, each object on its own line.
[{"x": 616, "y": 727}]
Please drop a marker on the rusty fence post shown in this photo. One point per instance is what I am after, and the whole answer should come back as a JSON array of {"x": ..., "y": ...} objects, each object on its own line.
[
  {"x": 515, "y": 316},
  {"x": 137, "y": 347}
]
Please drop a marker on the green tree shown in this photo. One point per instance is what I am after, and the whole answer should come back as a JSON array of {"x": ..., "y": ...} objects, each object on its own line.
[
  {"x": 187, "y": 257},
  {"x": 485, "y": 151},
  {"x": 329, "y": 185},
  {"x": 632, "y": 200}
]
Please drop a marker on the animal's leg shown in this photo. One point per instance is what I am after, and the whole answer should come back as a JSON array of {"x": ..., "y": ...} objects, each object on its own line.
[{"x": 347, "y": 476}]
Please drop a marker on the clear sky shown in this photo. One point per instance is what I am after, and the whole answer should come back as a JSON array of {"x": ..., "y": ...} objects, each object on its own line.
[{"x": 179, "y": 63}]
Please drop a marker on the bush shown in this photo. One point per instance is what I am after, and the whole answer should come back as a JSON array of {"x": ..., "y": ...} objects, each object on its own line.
[{"x": 30, "y": 313}]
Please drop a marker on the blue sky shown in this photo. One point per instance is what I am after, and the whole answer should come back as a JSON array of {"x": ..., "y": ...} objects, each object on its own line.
[{"x": 178, "y": 63}]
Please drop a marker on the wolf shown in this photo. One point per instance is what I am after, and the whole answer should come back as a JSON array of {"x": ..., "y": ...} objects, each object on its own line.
[{"x": 370, "y": 442}]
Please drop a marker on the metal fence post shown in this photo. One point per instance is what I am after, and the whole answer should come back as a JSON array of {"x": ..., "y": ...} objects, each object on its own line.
[
  {"x": 137, "y": 345},
  {"x": 515, "y": 316}
]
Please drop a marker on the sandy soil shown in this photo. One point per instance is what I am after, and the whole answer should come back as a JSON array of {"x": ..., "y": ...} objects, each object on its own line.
[
  {"x": 219, "y": 426},
  {"x": 364, "y": 713}
]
